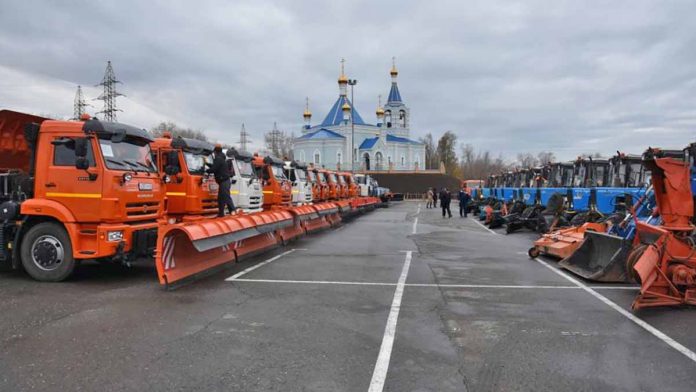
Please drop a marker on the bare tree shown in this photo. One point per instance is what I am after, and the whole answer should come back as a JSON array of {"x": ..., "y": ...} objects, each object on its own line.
[
  {"x": 476, "y": 166},
  {"x": 527, "y": 160},
  {"x": 546, "y": 157},
  {"x": 168, "y": 126},
  {"x": 432, "y": 161},
  {"x": 279, "y": 143}
]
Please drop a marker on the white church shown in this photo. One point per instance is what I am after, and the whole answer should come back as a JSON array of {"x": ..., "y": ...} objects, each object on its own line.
[{"x": 383, "y": 146}]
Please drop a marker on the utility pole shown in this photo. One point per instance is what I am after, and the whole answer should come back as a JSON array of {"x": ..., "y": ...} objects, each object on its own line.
[
  {"x": 274, "y": 136},
  {"x": 244, "y": 139},
  {"x": 352, "y": 83},
  {"x": 79, "y": 104},
  {"x": 109, "y": 95}
]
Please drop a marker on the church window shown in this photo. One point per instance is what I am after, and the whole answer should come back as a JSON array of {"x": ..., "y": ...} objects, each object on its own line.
[
  {"x": 339, "y": 158},
  {"x": 317, "y": 157},
  {"x": 387, "y": 118},
  {"x": 403, "y": 161},
  {"x": 302, "y": 156},
  {"x": 402, "y": 118}
]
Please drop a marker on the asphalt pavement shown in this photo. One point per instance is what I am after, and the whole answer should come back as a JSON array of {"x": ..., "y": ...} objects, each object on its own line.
[{"x": 399, "y": 299}]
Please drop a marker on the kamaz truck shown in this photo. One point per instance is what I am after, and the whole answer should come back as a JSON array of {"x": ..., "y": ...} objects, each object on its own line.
[
  {"x": 190, "y": 190},
  {"x": 301, "y": 187},
  {"x": 75, "y": 190},
  {"x": 245, "y": 189}
]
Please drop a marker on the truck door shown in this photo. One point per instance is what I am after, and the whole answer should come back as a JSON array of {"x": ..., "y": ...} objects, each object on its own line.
[{"x": 70, "y": 186}]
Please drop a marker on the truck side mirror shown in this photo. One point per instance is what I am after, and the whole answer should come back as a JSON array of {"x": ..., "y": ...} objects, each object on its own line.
[
  {"x": 81, "y": 163},
  {"x": 172, "y": 167},
  {"x": 80, "y": 147}
]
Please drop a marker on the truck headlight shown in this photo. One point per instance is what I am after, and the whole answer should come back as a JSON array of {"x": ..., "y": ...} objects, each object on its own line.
[
  {"x": 114, "y": 236},
  {"x": 127, "y": 177}
]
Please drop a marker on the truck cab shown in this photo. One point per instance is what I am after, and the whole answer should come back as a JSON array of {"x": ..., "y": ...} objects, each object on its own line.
[
  {"x": 296, "y": 172},
  {"x": 277, "y": 191},
  {"x": 353, "y": 188},
  {"x": 364, "y": 184},
  {"x": 332, "y": 182},
  {"x": 343, "y": 191},
  {"x": 75, "y": 190},
  {"x": 190, "y": 191},
  {"x": 245, "y": 187}
]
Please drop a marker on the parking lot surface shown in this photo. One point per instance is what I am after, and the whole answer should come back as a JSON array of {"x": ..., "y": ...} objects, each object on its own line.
[{"x": 399, "y": 299}]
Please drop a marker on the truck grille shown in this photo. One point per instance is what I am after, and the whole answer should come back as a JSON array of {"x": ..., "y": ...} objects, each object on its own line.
[
  {"x": 142, "y": 209},
  {"x": 209, "y": 203}
]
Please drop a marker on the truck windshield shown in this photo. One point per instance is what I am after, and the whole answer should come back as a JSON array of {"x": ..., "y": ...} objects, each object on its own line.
[
  {"x": 635, "y": 176},
  {"x": 130, "y": 154},
  {"x": 332, "y": 177},
  {"x": 245, "y": 169},
  {"x": 312, "y": 177},
  {"x": 320, "y": 178},
  {"x": 196, "y": 162},
  {"x": 278, "y": 172},
  {"x": 341, "y": 180},
  {"x": 360, "y": 179},
  {"x": 300, "y": 175}
]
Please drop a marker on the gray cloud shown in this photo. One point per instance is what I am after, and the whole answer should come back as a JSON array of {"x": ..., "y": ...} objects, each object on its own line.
[{"x": 509, "y": 77}]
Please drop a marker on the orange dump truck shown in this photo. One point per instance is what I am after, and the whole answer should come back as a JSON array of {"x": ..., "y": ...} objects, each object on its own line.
[
  {"x": 75, "y": 190},
  {"x": 190, "y": 191}
]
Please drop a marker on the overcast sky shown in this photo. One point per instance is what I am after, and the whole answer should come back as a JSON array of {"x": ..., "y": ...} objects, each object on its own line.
[{"x": 509, "y": 77}]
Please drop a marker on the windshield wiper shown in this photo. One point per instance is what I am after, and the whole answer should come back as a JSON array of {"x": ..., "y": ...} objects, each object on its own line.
[
  {"x": 136, "y": 163},
  {"x": 122, "y": 163}
]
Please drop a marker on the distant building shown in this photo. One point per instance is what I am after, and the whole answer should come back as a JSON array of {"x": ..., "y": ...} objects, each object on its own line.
[{"x": 383, "y": 146}]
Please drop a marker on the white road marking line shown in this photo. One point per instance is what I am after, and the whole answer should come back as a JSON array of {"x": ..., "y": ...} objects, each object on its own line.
[
  {"x": 316, "y": 282},
  {"x": 246, "y": 271},
  {"x": 482, "y": 225},
  {"x": 656, "y": 332},
  {"x": 415, "y": 223},
  {"x": 379, "y": 375},
  {"x": 490, "y": 286}
]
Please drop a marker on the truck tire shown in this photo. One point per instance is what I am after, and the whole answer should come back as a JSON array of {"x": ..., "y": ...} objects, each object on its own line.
[{"x": 46, "y": 253}]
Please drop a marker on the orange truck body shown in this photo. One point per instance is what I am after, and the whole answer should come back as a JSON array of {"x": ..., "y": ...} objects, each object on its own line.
[
  {"x": 321, "y": 191},
  {"x": 334, "y": 189},
  {"x": 352, "y": 187},
  {"x": 190, "y": 192},
  {"x": 277, "y": 190},
  {"x": 106, "y": 197}
]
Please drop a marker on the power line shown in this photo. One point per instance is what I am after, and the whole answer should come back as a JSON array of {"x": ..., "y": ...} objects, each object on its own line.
[{"x": 109, "y": 95}]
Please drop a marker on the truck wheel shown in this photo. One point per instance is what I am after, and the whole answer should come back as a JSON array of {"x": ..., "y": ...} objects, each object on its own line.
[{"x": 47, "y": 253}]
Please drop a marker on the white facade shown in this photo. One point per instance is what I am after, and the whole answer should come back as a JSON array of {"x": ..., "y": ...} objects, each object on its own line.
[{"x": 383, "y": 146}]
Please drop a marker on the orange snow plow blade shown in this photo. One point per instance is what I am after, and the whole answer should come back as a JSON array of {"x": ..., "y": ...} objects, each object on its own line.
[
  {"x": 344, "y": 207},
  {"x": 563, "y": 243},
  {"x": 192, "y": 249},
  {"x": 329, "y": 211}
]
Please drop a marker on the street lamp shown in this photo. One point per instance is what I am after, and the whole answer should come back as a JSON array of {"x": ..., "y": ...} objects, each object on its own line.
[{"x": 352, "y": 83}]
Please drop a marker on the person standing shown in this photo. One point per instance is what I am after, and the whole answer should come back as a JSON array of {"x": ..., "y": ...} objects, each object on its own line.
[
  {"x": 445, "y": 199},
  {"x": 221, "y": 173},
  {"x": 464, "y": 198},
  {"x": 434, "y": 197},
  {"x": 429, "y": 198}
]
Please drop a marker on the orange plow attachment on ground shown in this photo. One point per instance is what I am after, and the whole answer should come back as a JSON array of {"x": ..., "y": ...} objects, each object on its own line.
[
  {"x": 329, "y": 215},
  {"x": 344, "y": 207},
  {"x": 563, "y": 243},
  {"x": 187, "y": 250}
]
